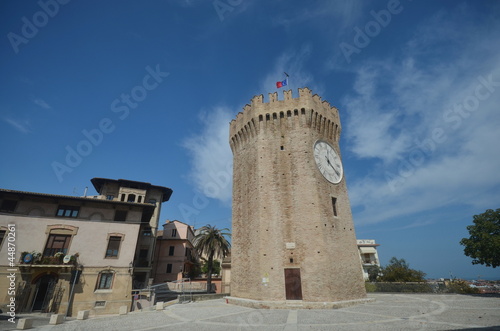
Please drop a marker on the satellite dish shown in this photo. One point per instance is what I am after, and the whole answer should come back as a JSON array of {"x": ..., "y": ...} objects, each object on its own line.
[
  {"x": 67, "y": 258},
  {"x": 27, "y": 258}
]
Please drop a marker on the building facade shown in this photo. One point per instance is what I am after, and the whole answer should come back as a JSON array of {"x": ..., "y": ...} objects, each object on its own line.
[
  {"x": 369, "y": 255},
  {"x": 175, "y": 257},
  {"x": 78, "y": 253},
  {"x": 293, "y": 237}
]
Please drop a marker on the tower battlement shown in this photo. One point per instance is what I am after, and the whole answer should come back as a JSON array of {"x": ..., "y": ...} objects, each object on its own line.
[{"x": 307, "y": 109}]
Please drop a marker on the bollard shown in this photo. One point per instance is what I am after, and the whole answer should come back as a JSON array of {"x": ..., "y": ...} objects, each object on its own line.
[
  {"x": 56, "y": 319},
  {"x": 83, "y": 315},
  {"x": 24, "y": 323},
  {"x": 123, "y": 310}
]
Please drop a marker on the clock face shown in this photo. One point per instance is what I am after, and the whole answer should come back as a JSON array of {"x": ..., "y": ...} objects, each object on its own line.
[{"x": 328, "y": 161}]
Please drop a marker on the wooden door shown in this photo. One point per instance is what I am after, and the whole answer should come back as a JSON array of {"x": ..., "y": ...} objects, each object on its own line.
[{"x": 293, "y": 286}]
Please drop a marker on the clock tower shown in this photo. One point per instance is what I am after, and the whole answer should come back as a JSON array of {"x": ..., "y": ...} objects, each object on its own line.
[{"x": 293, "y": 239}]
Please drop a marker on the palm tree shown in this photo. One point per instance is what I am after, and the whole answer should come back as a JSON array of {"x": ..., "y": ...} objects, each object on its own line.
[{"x": 212, "y": 243}]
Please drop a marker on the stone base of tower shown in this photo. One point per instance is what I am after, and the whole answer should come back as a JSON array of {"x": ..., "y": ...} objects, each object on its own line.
[{"x": 295, "y": 304}]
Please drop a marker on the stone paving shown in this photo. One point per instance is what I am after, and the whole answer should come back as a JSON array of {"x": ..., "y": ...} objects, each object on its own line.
[{"x": 387, "y": 312}]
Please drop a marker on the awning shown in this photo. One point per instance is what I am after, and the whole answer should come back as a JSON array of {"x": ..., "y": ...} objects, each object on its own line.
[{"x": 368, "y": 250}]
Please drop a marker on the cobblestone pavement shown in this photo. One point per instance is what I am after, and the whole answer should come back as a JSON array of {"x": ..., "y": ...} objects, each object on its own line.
[{"x": 388, "y": 312}]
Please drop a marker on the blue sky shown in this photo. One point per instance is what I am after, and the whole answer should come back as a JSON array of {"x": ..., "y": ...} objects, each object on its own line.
[{"x": 144, "y": 90}]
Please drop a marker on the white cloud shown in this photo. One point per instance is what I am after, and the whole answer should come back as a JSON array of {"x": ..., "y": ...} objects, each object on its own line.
[
  {"x": 211, "y": 156},
  {"x": 40, "y": 102},
  {"x": 432, "y": 136},
  {"x": 22, "y": 126}
]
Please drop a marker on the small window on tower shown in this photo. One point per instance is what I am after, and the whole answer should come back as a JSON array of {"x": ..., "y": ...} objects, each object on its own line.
[{"x": 334, "y": 206}]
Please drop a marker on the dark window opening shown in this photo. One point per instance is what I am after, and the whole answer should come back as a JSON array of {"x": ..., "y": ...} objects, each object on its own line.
[
  {"x": 139, "y": 198},
  {"x": 131, "y": 198},
  {"x": 169, "y": 268},
  {"x": 110, "y": 197},
  {"x": 8, "y": 206},
  {"x": 123, "y": 197},
  {"x": 334, "y": 206},
  {"x": 171, "y": 250},
  {"x": 113, "y": 246},
  {"x": 57, "y": 243},
  {"x": 174, "y": 232}
]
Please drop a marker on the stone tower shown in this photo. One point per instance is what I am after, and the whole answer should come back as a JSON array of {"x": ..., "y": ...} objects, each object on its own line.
[{"x": 293, "y": 237}]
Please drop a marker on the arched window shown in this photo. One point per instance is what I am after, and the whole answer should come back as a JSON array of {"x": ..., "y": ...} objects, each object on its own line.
[
  {"x": 105, "y": 280},
  {"x": 131, "y": 198}
]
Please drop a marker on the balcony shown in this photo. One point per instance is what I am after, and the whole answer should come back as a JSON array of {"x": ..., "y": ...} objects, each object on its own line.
[{"x": 36, "y": 259}]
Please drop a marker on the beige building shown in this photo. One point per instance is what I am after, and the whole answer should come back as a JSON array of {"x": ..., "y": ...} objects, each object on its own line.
[
  {"x": 78, "y": 253},
  {"x": 175, "y": 257},
  {"x": 293, "y": 238},
  {"x": 368, "y": 254}
]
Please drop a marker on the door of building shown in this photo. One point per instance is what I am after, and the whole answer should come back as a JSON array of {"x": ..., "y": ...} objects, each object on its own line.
[
  {"x": 293, "y": 285},
  {"x": 44, "y": 290}
]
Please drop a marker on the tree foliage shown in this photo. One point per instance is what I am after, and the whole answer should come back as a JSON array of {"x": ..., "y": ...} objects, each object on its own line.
[
  {"x": 398, "y": 270},
  {"x": 483, "y": 245},
  {"x": 212, "y": 243}
]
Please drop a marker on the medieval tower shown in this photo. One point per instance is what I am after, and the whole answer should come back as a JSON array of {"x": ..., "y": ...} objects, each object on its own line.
[{"x": 293, "y": 239}]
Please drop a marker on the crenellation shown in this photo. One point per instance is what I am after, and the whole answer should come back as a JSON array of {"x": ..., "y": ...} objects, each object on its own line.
[
  {"x": 273, "y": 97},
  {"x": 311, "y": 108},
  {"x": 258, "y": 99}
]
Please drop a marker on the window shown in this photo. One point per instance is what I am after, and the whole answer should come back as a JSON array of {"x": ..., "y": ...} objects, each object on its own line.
[
  {"x": 68, "y": 211},
  {"x": 146, "y": 232},
  {"x": 105, "y": 280},
  {"x": 174, "y": 232},
  {"x": 8, "y": 206},
  {"x": 110, "y": 197},
  {"x": 113, "y": 246},
  {"x": 153, "y": 201},
  {"x": 120, "y": 215},
  {"x": 171, "y": 250},
  {"x": 169, "y": 268},
  {"x": 139, "y": 199},
  {"x": 131, "y": 198},
  {"x": 57, "y": 243},
  {"x": 334, "y": 206},
  {"x": 123, "y": 197}
]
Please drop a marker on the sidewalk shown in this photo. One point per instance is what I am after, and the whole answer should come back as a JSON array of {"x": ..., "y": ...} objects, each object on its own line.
[{"x": 388, "y": 312}]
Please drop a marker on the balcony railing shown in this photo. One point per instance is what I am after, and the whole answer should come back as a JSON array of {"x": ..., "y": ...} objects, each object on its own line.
[{"x": 36, "y": 258}]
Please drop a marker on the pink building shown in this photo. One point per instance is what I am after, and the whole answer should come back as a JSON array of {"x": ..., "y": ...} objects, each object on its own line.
[{"x": 175, "y": 256}]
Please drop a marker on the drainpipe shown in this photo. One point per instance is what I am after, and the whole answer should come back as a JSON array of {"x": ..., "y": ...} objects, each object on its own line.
[{"x": 71, "y": 293}]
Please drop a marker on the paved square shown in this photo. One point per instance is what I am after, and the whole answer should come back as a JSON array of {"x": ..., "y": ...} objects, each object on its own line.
[{"x": 388, "y": 312}]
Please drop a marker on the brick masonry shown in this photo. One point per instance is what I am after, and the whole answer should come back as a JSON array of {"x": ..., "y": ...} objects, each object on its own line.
[{"x": 280, "y": 197}]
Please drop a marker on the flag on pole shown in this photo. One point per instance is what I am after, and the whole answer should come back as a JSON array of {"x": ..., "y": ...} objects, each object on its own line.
[{"x": 283, "y": 82}]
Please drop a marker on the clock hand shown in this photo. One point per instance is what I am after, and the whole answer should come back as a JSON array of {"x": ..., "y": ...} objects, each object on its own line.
[{"x": 330, "y": 164}]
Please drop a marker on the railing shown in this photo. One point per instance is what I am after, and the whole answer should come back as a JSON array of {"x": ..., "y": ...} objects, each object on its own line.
[{"x": 182, "y": 290}]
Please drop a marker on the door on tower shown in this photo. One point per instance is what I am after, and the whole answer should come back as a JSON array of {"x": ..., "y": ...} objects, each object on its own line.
[{"x": 293, "y": 286}]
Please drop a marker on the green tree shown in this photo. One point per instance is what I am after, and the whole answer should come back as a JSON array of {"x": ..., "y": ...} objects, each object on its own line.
[
  {"x": 215, "y": 267},
  {"x": 212, "y": 243},
  {"x": 483, "y": 245},
  {"x": 398, "y": 270},
  {"x": 373, "y": 273}
]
